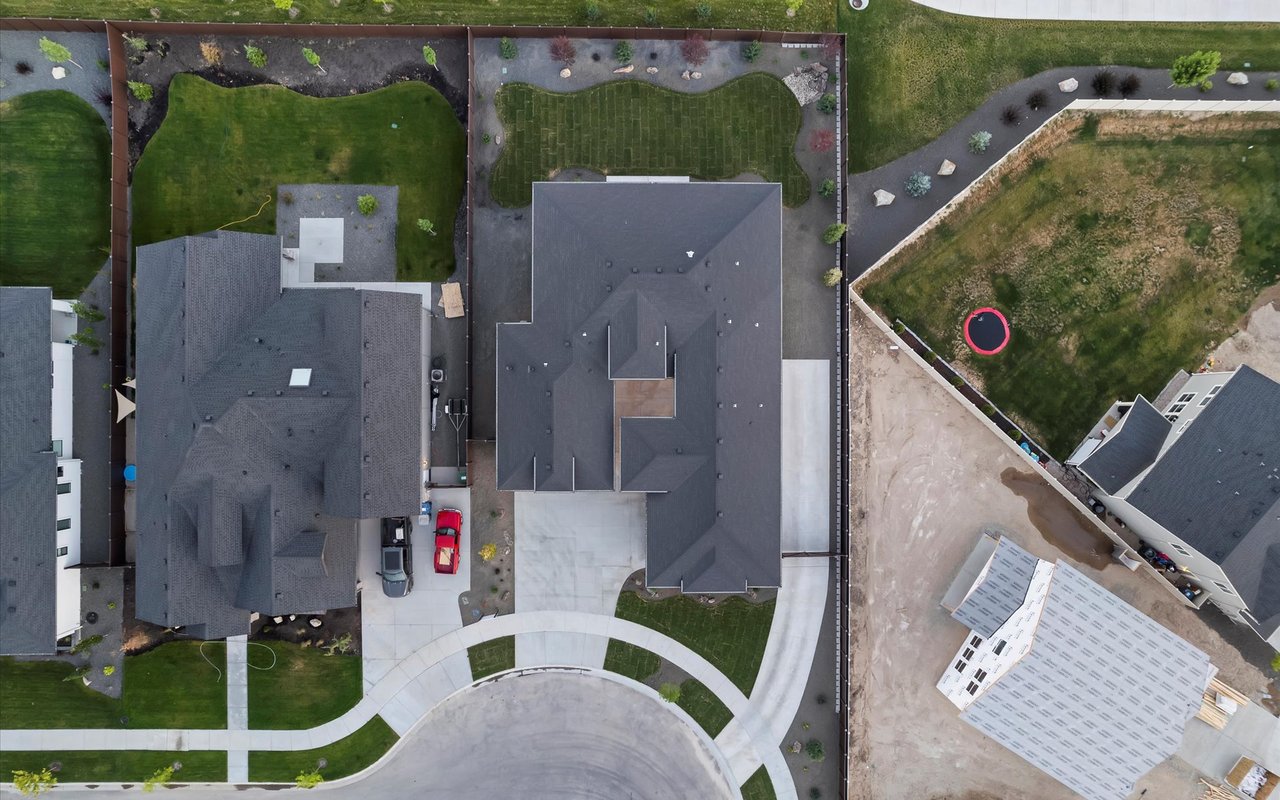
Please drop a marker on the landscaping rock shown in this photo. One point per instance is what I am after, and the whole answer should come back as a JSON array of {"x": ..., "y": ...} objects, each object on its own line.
[
  {"x": 807, "y": 83},
  {"x": 884, "y": 198},
  {"x": 948, "y": 167},
  {"x": 1238, "y": 79},
  {"x": 315, "y": 622},
  {"x": 697, "y": 76},
  {"x": 1069, "y": 85},
  {"x": 651, "y": 70},
  {"x": 58, "y": 73},
  {"x": 564, "y": 73},
  {"x": 277, "y": 620},
  {"x": 685, "y": 75},
  {"x": 624, "y": 70}
]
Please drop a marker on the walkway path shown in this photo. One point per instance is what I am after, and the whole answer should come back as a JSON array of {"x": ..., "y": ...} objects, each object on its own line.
[
  {"x": 1127, "y": 10},
  {"x": 237, "y": 704},
  {"x": 873, "y": 232}
]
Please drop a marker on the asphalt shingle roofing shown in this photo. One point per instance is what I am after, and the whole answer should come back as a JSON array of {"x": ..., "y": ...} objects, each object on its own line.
[
  {"x": 247, "y": 486},
  {"x": 28, "y": 503},
  {"x": 1001, "y": 591},
  {"x": 1130, "y": 450},
  {"x": 679, "y": 280}
]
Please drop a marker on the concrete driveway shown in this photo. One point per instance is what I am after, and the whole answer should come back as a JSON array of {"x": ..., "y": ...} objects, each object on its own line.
[
  {"x": 806, "y": 455},
  {"x": 392, "y": 629}
]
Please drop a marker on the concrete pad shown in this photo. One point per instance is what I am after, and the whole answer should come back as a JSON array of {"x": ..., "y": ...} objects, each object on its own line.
[
  {"x": 806, "y": 456},
  {"x": 237, "y": 766},
  {"x": 797, "y": 624},
  {"x": 735, "y": 744}
]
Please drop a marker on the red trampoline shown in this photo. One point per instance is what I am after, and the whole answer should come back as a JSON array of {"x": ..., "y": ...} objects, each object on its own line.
[{"x": 986, "y": 331}]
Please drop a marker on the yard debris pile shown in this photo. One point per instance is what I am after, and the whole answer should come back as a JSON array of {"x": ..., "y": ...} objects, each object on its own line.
[{"x": 807, "y": 83}]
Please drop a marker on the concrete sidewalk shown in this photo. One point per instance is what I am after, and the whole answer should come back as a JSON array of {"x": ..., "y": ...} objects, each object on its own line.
[
  {"x": 237, "y": 704},
  {"x": 1115, "y": 10}
]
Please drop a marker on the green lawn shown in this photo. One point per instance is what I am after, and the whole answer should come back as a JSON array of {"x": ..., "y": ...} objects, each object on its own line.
[
  {"x": 633, "y": 128},
  {"x": 705, "y": 708},
  {"x": 33, "y": 694},
  {"x": 221, "y": 152},
  {"x": 758, "y": 786},
  {"x": 118, "y": 766},
  {"x": 746, "y": 14},
  {"x": 731, "y": 634},
  {"x": 492, "y": 657},
  {"x": 636, "y": 663},
  {"x": 304, "y": 689},
  {"x": 345, "y": 756},
  {"x": 1117, "y": 261},
  {"x": 55, "y": 194},
  {"x": 915, "y": 72}
]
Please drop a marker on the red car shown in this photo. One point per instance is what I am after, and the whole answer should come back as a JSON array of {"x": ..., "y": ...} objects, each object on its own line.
[{"x": 448, "y": 540}]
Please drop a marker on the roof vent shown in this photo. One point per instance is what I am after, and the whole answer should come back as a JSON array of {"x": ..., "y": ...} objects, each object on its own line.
[{"x": 300, "y": 376}]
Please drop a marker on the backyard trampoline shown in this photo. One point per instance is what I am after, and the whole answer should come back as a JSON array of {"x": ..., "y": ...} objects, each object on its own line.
[{"x": 986, "y": 331}]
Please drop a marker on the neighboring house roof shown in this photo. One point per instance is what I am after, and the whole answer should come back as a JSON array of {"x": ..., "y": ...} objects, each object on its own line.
[
  {"x": 1000, "y": 590},
  {"x": 28, "y": 502},
  {"x": 247, "y": 486},
  {"x": 654, "y": 281},
  {"x": 1217, "y": 488},
  {"x": 1103, "y": 695},
  {"x": 1130, "y": 449}
]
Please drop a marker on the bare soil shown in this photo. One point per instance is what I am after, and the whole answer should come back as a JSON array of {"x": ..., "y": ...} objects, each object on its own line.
[{"x": 1257, "y": 340}]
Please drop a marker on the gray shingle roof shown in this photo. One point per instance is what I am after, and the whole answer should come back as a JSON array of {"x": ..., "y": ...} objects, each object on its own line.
[
  {"x": 28, "y": 503},
  {"x": 1217, "y": 488},
  {"x": 1130, "y": 450},
  {"x": 616, "y": 293},
  {"x": 247, "y": 487},
  {"x": 1001, "y": 592},
  {"x": 1103, "y": 695}
]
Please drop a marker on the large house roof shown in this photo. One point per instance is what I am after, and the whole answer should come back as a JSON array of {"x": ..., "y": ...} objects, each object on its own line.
[
  {"x": 655, "y": 281},
  {"x": 1102, "y": 696},
  {"x": 248, "y": 486},
  {"x": 1130, "y": 449},
  {"x": 28, "y": 504},
  {"x": 1217, "y": 488}
]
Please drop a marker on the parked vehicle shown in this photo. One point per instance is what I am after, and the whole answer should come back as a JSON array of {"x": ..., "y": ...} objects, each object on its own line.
[
  {"x": 397, "y": 557},
  {"x": 448, "y": 540}
]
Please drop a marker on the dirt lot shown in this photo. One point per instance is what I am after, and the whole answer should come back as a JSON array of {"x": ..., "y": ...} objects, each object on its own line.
[
  {"x": 1257, "y": 342},
  {"x": 927, "y": 476}
]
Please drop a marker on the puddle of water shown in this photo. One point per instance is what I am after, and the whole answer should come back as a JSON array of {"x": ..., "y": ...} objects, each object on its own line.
[{"x": 1058, "y": 521}]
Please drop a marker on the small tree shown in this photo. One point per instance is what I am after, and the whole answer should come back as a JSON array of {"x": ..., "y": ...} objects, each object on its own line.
[
  {"x": 429, "y": 55},
  {"x": 694, "y": 49},
  {"x": 55, "y": 52},
  {"x": 313, "y": 58},
  {"x": 33, "y": 784},
  {"x": 1037, "y": 100},
  {"x": 827, "y": 188},
  {"x": 591, "y": 10},
  {"x": 751, "y": 51},
  {"x": 834, "y": 232},
  {"x": 1011, "y": 115},
  {"x": 562, "y": 50},
  {"x": 160, "y": 777},
  {"x": 979, "y": 141},
  {"x": 827, "y": 103},
  {"x": 488, "y": 551},
  {"x": 832, "y": 277},
  {"x": 425, "y": 225},
  {"x": 77, "y": 674},
  {"x": 86, "y": 338},
  {"x": 832, "y": 46},
  {"x": 670, "y": 692},
  {"x": 309, "y": 780},
  {"x": 367, "y": 204},
  {"x": 918, "y": 184},
  {"x": 1103, "y": 83},
  {"x": 1195, "y": 69},
  {"x": 506, "y": 49},
  {"x": 86, "y": 312},
  {"x": 141, "y": 90},
  {"x": 814, "y": 750},
  {"x": 702, "y": 11},
  {"x": 822, "y": 141},
  {"x": 86, "y": 644},
  {"x": 255, "y": 56},
  {"x": 623, "y": 52},
  {"x": 1130, "y": 85}
]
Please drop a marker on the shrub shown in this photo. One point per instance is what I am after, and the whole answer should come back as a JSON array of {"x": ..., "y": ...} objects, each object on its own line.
[
  {"x": 957, "y": 381},
  {"x": 488, "y": 551},
  {"x": 312, "y": 57},
  {"x": 22, "y": 68},
  {"x": 506, "y": 49},
  {"x": 1011, "y": 115},
  {"x": 989, "y": 410},
  {"x": 255, "y": 56},
  {"x": 814, "y": 793},
  {"x": 283, "y": 5},
  {"x": 702, "y": 11},
  {"x": 899, "y": 326},
  {"x": 1037, "y": 100},
  {"x": 1130, "y": 85},
  {"x": 86, "y": 338},
  {"x": 109, "y": 670},
  {"x": 751, "y": 51},
  {"x": 1103, "y": 83},
  {"x": 1275, "y": 663},
  {"x": 650, "y": 16},
  {"x": 1014, "y": 434},
  {"x": 1195, "y": 69},
  {"x": 137, "y": 44},
  {"x": 141, "y": 90},
  {"x": 111, "y": 604},
  {"x": 33, "y": 784},
  {"x": 794, "y": 6},
  {"x": 591, "y": 10},
  {"x": 429, "y": 54},
  {"x": 426, "y": 226},
  {"x": 623, "y": 52},
  {"x": 86, "y": 644},
  {"x": 694, "y": 49},
  {"x": 670, "y": 692},
  {"x": 87, "y": 312},
  {"x": 979, "y": 141},
  {"x": 827, "y": 103},
  {"x": 832, "y": 277},
  {"x": 366, "y": 204},
  {"x": 160, "y": 777},
  {"x": 918, "y": 184},
  {"x": 309, "y": 780},
  {"x": 562, "y": 50},
  {"x": 1205, "y": 86},
  {"x": 834, "y": 232},
  {"x": 814, "y": 750},
  {"x": 822, "y": 141},
  {"x": 827, "y": 188},
  {"x": 54, "y": 52},
  {"x": 211, "y": 53},
  {"x": 1272, "y": 84},
  {"x": 286, "y": 198},
  {"x": 77, "y": 674}
]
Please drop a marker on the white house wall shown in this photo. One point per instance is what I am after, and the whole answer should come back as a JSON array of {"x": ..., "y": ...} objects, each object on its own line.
[
  {"x": 1198, "y": 388},
  {"x": 62, "y": 398}
]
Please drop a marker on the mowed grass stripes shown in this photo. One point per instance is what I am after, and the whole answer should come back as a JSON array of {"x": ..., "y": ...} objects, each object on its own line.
[{"x": 632, "y": 128}]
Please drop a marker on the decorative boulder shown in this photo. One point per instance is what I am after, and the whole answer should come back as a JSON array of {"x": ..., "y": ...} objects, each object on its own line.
[
  {"x": 1238, "y": 79},
  {"x": 697, "y": 76},
  {"x": 948, "y": 167},
  {"x": 564, "y": 73},
  {"x": 59, "y": 73},
  {"x": 651, "y": 70},
  {"x": 624, "y": 70},
  {"x": 685, "y": 75},
  {"x": 883, "y": 198},
  {"x": 1069, "y": 85},
  {"x": 315, "y": 622}
]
